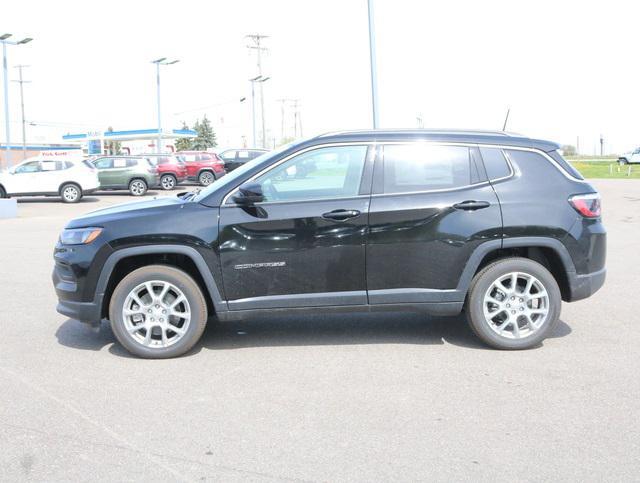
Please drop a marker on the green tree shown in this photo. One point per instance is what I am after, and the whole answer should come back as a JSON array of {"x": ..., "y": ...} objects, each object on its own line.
[
  {"x": 569, "y": 150},
  {"x": 184, "y": 144},
  {"x": 206, "y": 136},
  {"x": 113, "y": 147}
]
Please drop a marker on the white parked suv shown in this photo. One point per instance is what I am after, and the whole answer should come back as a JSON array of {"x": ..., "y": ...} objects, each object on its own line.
[
  {"x": 632, "y": 157},
  {"x": 69, "y": 179}
]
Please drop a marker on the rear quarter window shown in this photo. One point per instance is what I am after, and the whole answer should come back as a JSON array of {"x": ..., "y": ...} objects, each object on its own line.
[
  {"x": 495, "y": 163},
  {"x": 557, "y": 157}
]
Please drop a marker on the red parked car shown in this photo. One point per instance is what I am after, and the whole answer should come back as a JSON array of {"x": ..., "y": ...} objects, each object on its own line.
[
  {"x": 171, "y": 169},
  {"x": 202, "y": 166}
]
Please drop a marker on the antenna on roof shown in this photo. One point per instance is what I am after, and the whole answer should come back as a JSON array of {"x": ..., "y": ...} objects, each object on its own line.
[{"x": 506, "y": 118}]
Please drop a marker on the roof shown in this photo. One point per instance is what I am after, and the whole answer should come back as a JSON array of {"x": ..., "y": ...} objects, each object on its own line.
[{"x": 502, "y": 138}]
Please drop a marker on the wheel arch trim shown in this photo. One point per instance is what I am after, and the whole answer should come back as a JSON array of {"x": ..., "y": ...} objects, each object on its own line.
[
  {"x": 212, "y": 288},
  {"x": 517, "y": 242}
]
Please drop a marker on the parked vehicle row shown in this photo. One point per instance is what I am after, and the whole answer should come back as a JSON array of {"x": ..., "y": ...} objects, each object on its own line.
[{"x": 71, "y": 179}]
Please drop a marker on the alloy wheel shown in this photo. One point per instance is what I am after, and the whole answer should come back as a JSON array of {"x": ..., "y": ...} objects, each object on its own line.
[
  {"x": 137, "y": 188},
  {"x": 70, "y": 193},
  {"x": 168, "y": 182},
  {"x": 516, "y": 305},
  {"x": 207, "y": 178},
  {"x": 156, "y": 314}
]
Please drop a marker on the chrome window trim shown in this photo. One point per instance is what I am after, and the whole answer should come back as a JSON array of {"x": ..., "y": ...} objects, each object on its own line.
[{"x": 503, "y": 147}]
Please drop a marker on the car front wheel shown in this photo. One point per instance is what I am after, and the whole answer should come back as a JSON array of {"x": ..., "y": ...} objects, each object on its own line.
[
  {"x": 137, "y": 187},
  {"x": 206, "y": 178},
  {"x": 71, "y": 193},
  {"x": 157, "y": 312},
  {"x": 513, "y": 303}
]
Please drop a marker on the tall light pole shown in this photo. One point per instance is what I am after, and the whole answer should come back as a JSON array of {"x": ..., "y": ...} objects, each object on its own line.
[
  {"x": 21, "y": 81},
  {"x": 259, "y": 79},
  {"x": 374, "y": 64},
  {"x": 4, "y": 40},
  {"x": 159, "y": 62}
]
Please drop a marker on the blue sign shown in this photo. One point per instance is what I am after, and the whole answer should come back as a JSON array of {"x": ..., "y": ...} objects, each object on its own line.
[{"x": 94, "y": 146}]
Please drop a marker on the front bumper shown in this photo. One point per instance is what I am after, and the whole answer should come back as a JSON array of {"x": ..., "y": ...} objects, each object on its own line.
[{"x": 67, "y": 290}]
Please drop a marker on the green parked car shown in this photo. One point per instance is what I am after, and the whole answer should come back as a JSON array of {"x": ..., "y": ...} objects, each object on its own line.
[{"x": 133, "y": 173}]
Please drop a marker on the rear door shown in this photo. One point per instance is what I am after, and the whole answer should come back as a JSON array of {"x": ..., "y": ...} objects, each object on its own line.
[
  {"x": 430, "y": 209},
  {"x": 305, "y": 244},
  {"x": 50, "y": 177}
]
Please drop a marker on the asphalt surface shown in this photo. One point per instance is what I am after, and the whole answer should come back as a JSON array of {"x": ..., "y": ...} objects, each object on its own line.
[{"x": 362, "y": 398}]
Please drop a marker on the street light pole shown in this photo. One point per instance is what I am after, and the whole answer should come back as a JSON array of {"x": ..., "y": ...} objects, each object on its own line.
[
  {"x": 5, "y": 42},
  {"x": 374, "y": 64},
  {"x": 7, "y": 128},
  {"x": 159, "y": 62},
  {"x": 21, "y": 81}
]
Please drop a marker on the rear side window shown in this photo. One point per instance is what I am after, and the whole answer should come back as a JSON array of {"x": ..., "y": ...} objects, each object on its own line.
[
  {"x": 557, "y": 157},
  {"x": 495, "y": 163},
  {"x": 424, "y": 167}
]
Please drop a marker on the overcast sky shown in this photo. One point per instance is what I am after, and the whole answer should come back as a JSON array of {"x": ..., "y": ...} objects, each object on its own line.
[{"x": 566, "y": 69}]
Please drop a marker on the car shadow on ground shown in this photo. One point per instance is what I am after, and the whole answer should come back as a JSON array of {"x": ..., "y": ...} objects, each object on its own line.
[
  {"x": 308, "y": 330},
  {"x": 126, "y": 193}
]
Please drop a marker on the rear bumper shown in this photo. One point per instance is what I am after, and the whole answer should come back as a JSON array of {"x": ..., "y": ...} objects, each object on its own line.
[{"x": 583, "y": 286}]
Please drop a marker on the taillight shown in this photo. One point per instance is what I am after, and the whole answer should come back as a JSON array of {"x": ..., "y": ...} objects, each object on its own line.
[{"x": 588, "y": 205}]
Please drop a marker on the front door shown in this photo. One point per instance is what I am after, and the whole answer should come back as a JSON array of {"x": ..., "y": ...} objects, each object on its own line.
[
  {"x": 431, "y": 207},
  {"x": 25, "y": 179},
  {"x": 305, "y": 244}
]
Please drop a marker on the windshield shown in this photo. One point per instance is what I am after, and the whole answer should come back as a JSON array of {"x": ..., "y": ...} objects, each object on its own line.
[{"x": 229, "y": 179}]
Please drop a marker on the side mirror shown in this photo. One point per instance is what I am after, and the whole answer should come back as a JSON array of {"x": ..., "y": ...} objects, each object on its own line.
[{"x": 248, "y": 194}]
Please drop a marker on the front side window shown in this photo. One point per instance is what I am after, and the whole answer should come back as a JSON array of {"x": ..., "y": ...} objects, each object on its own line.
[
  {"x": 103, "y": 163},
  {"x": 331, "y": 172},
  {"x": 31, "y": 167},
  {"x": 424, "y": 167}
]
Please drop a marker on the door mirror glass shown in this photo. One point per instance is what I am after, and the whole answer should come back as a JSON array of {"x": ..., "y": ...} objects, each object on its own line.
[{"x": 248, "y": 194}]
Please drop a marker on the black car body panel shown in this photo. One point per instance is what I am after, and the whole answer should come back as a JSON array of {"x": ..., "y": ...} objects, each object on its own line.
[{"x": 398, "y": 250}]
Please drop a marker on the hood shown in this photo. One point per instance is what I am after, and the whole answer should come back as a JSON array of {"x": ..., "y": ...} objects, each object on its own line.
[{"x": 165, "y": 204}]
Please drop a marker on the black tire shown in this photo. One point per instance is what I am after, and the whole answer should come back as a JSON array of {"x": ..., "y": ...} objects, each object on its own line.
[
  {"x": 622, "y": 161},
  {"x": 161, "y": 273},
  {"x": 138, "y": 187},
  {"x": 168, "y": 182},
  {"x": 205, "y": 178},
  {"x": 3, "y": 193},
  {"x": 481, "y": 284},
  {"x": 70, "y": 193}
]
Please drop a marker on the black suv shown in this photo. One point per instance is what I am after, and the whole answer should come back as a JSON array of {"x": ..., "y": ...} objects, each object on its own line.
[{"x": 433, "y": 221}]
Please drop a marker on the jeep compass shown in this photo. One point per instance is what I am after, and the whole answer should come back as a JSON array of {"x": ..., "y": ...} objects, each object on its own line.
[{"x": 438, "y": 222}]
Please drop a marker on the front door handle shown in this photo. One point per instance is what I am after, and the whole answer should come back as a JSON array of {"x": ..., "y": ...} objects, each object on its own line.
[
  {"x": 341, "y": 215},
  {"x": 472, "y": 205}
]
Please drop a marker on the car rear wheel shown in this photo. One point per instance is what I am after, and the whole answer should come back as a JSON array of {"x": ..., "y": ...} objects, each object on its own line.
[
  {"x": 168, "y": 182},
  {"x": 70, "y": 193},
  {"x": 137, "y": 187},
  {"x": 157, "y": 312},
  {"x": 206, "y": 178},
  {"x": 513, "y": 303}
]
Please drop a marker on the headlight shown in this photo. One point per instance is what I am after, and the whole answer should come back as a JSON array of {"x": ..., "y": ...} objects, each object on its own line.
[{"x": 79, "y": 236}]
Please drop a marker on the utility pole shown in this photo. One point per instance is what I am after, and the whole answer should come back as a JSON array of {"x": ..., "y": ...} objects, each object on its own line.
[
  {"x": 577, "y": 144},
  {"x": 21, "y": 81},
  {"x": 282, "y": 101},
  {"x": 373, "y": 64},
  {"x": 601, "y": 145},
  {"x": 257, "y": 46}
]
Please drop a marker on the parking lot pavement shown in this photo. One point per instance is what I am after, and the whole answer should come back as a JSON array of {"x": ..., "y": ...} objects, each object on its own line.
[{"x": 364, "y": 398}]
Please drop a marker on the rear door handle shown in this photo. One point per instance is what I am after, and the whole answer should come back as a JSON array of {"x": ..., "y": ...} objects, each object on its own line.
[
  {"x": 341, "y": 215},
  {"x": 471, "y": 205}
]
